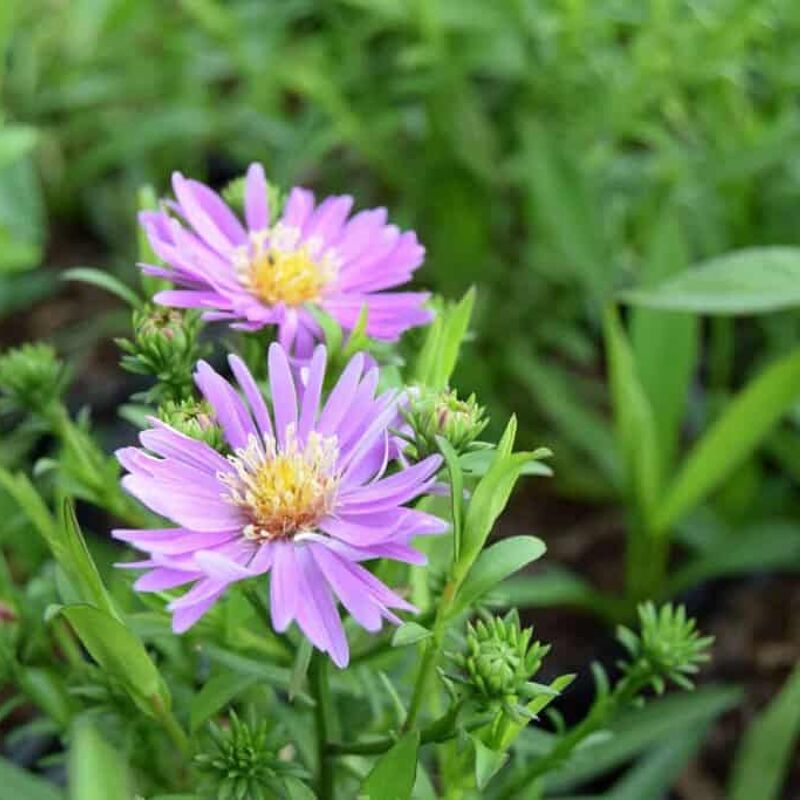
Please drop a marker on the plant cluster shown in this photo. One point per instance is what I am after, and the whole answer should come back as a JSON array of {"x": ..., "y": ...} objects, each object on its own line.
[{"x": 290, "y": 500}]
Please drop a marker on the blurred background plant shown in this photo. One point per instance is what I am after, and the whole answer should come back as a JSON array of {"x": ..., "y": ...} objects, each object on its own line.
[{"x": 558, "y": 155}]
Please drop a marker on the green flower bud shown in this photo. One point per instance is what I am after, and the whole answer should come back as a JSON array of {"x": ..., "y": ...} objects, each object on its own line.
[
  {"x": 431, "y": 414},
  {"x": 165, "y": 345},
  {"x": 194, "y": 418},
  {"x": 32, "y": 378},
  {"x": 500, "y": 659},
  {"x": 242, "y": 763},
  {"x": 668, "y": 647}
]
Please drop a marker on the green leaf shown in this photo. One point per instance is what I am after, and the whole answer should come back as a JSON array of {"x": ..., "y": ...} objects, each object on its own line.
[
  {"x": 636, "y": 432},
  {"x": 635, "y": 731},
  {"x": 104, "y": 280},
  {"x": 456, "y": 492},
  {"x": 752, "y": 281},
  {"x": 392, "y": 777},
  {"x": 494, "y": 565},
  {"x": 409, "y": 633},
  {"x": 765, "y": 753},
  {"x": 22, "y": 785},
  {"x": 556, "y": 586},
  {"x": 767, "y": 545},
  {"x": 665, "y": 343},
  {"x": 562, "y": 204},
  {"x": 488, "y": 762},
  {"x": 121, "y": 654},
  {"x": 15, "y": 142},
  {"x": 439, "y": 355},
  {"x": 47, "y": 689},
  {"x": 297, "y": 790},
  {"x": 215, "y": 695},
  {"x": 742, "y": 426},
  {"x": 653, "y": 776},
  {"x": 96, "y": 769},
  {"x": 302, "y": 661}
]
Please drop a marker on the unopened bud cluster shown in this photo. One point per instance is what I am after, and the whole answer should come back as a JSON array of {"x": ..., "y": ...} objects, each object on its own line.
[
  {"x": 241, "y": 763},
  {"x": 500, "y": 659},
  {"x": 431, "y": 414},
  {"x": 668, "y": 647},
  {"x": 165, "y": 346},
  {"x": 32, "y": 378}
]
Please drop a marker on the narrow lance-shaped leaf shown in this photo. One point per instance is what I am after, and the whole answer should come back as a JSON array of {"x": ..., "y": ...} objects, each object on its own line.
[
  {"x": 121, "y": 654},
  {"x": 767, "y": 747},
  {"x": 743, "y": 425},
  {"x": 636, "y": 433},
  {"x": 664, "y": 343}
]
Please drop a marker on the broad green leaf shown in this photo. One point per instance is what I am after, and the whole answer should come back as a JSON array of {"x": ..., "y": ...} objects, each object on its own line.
[
  {"x": 392, "y": 777},
  {"x": 121, "y": 654},
  {"x": 410, "y": 633},
  {"x": 217, "y": 693},
  {"x": 96, "y": 769},
  {"x": 653, "y": 776},
  {"x": 19, "y": 784},
  {"x": 664, "y": 343},
  {"x": 757, "y": 280},
  {"x": 302, "y": 661},
  {"x": 488, "y": 762},
  {"x": 742, "y": 426},
  {"x": 633, "y": 414},
  {"x": 635, "y": 731},
  {"x": 765, "y": 753},
  {"x": 494, "y": 565},
  {"x": 104, "y": 280}
]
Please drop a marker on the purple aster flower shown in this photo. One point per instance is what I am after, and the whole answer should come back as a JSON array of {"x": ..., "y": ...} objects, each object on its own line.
[
  {"x": 304, "y": 495},
  {"x": 264, "y": 273}
]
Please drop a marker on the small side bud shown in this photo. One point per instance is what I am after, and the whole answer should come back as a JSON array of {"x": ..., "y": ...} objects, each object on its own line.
[
  {"x": 430, "y": 414},
  {"x": 193, "y": 418},
  {"x": 32, "y": 378},
  {"x": 165, "y": 345},
  {"x": 668, "y": 647}
]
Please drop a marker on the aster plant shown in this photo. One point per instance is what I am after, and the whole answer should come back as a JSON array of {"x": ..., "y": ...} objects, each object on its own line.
[{"x": 305, "y": 599}]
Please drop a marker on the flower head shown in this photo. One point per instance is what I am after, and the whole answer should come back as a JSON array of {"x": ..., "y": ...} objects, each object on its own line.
[
  {"x": 269, "y": 272},
  {"x": 304, "y": 494}
]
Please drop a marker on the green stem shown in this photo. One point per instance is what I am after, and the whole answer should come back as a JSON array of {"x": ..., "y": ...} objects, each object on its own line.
[
  {"x": 171, "y": 727},
  {"x": 431, "y": 734},
  {"x": 597, "y": 718},
  {"x": 325, "y": 723}
]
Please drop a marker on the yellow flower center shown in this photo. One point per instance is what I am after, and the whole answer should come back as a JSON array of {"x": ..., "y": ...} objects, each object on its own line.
[
  {"x": 277, "y": 269},
  {"x": 283, "y": 491}
]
